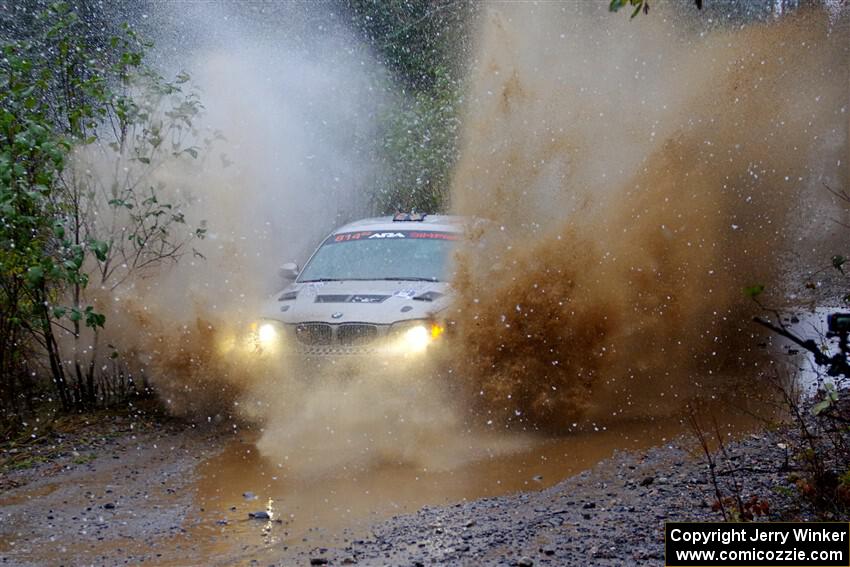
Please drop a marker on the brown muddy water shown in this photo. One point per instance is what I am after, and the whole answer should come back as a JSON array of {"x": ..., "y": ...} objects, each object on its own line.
[
  {"x": 353, "y": 498},
  {"x": 333, "y": 509}
]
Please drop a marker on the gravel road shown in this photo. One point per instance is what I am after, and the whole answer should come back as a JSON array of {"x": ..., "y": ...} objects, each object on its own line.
[
  {"x": 133, "y": 503},
  {"x": 613, "y": 514}
]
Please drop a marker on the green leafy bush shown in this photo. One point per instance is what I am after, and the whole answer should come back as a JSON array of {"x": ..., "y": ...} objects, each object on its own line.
[{"x": 61, "y": 226}]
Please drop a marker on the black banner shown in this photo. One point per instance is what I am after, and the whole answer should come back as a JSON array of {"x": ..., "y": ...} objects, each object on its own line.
[{"x": 761, "y": 544}]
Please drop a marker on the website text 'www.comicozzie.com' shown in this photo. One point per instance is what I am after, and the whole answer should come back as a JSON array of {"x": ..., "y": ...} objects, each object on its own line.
[{"x": 825, "y": 544}]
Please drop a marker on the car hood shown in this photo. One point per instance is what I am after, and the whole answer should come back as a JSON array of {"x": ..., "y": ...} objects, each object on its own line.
[{"x": 379, "y": 302}]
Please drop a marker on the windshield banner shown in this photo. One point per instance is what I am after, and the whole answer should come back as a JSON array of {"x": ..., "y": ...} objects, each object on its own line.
[{"x": 391, "y": 234}]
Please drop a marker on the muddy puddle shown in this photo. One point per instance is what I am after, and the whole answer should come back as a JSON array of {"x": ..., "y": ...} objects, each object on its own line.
[
  {"x": 320, "y": 508},
  {"x": 330, "y": 510}
]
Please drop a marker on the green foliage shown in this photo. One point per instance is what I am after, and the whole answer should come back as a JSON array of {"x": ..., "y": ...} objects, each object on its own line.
[
  {"x": 60, "y": 224},
  {"x": 423, "y": 43},
  {"x": 140, "y": 228},
  {"x": 638, "y": 5},
  {"x": 32, "y": 154},
  {"x": 419, "y": 150},
  {"x": 830, "y": 398},
  {"x": 417, "y": 39},
  {"x": 84, "y": 459},
  {"x": 753, "y": 291}
]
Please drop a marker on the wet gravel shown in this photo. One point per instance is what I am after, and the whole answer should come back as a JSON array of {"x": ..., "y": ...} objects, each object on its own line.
[
  {"x": 124, "y": 506},
  {"x": 613, "y": 514},
  {"x": 131, "y": 504}
]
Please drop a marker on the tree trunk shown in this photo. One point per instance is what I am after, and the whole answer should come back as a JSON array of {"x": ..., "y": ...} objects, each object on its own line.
[
  {"x": 92, "y": 390},
  {"x": 53, "y": 351}
]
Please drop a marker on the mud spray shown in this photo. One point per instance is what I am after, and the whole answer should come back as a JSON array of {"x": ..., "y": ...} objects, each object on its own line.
[
  {"x": 633, "y": 177},
  {"x": 297, "y": 101},
  {"x": 291, "y": 111},
  {"x": 636, "y": 176}
]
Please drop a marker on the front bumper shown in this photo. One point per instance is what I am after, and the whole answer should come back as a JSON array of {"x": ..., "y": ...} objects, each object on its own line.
[{"x": 322, "y": 339}]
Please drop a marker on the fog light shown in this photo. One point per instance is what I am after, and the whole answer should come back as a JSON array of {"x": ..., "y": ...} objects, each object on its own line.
[{"x": 437, "y": 331}]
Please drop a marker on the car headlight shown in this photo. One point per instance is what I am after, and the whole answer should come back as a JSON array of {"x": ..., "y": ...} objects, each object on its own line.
[
  {"x": 414, "y": 337},
  {"x": 265, "y": 336}
]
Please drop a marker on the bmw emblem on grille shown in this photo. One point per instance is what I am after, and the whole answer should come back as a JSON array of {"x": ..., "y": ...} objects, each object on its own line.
[{"x": 336, "y": 315}]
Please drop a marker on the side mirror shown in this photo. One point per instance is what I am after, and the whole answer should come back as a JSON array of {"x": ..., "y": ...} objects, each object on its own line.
[{"x": 288, "y": 272}]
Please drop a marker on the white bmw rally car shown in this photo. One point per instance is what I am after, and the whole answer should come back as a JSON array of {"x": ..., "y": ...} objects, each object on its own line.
[{"x": 375, "y": 286}]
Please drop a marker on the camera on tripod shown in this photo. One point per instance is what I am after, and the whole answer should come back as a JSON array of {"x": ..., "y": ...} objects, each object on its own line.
[{"x": 838, "y": 323}]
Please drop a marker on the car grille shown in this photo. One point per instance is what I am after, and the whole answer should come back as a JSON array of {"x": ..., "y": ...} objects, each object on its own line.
[
  {"x": 335, "y": 339},
  {"x": 335, "y": 350},
  {"x": 354, "y": 334},
  {"x": 314, "y": 334}
]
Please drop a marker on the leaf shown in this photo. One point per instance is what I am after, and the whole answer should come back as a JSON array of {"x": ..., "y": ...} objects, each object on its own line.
[
  {"x": 94, "y": 320},
  {"x": 59, "y": 312},
  {"x": 77, "y": 255},
  {"x": 35, "y": 275},
  {"x": 639, "y": 5},
  {"x": 753, "y": 291},
  {"x": 192, "y": 152},
  {"x": 144, "y": 160},
  {"x": 75, "y": 315},
  {"x": 838, "y": 263},
  {"x": 831, "y": 392},
  {"x": 821, "y": 407},
  {"x": 830, "y": 398},
  {"x": 100, "y": 249},
  {"x": 637, "y": 9}
]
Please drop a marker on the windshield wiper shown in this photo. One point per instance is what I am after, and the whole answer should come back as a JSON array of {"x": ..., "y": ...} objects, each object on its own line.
[
  {"x": 409, "y": 279},
  {"x": 320, "y": 280}
]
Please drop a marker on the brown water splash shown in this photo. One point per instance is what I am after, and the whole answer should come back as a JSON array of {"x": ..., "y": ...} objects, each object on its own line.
[{"x": 636, "y": 175}]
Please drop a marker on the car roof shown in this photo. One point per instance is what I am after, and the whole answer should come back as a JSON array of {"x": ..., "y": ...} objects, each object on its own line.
[{"x": 444, "y": 223}]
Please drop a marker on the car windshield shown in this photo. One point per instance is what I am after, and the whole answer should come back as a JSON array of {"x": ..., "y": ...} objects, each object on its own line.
[{"x": 382, "y": 255}]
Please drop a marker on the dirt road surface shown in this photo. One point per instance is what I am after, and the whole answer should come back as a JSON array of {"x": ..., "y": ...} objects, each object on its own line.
[{"x": 167, "y": 493}]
